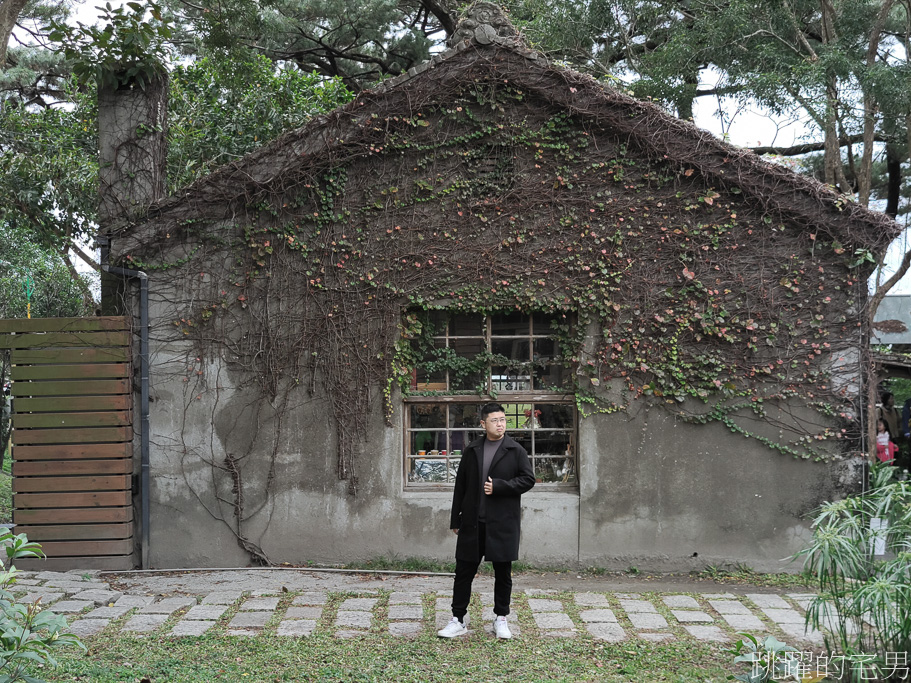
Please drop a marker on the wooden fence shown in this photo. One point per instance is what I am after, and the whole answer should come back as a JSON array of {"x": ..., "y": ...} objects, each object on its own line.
[{"x": 72, "y": 439}]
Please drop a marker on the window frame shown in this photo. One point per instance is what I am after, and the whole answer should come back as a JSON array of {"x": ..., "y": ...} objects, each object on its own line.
[{"x": 564, "y": 398}]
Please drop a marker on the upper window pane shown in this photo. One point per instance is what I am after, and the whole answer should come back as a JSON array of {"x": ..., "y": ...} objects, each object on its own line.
[
  {"x": 467, "y": 325},
  {"x": 510, "y": 324},
  {"x": 428, "y": 415}
]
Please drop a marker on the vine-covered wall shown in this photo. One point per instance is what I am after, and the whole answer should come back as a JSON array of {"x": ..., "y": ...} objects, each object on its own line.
[{"x": 495, "y": 182}]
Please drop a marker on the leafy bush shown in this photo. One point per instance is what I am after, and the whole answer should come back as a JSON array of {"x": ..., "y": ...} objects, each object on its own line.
[
  {"x": 865, "y": 602},
  {"x": 27, "y": 632},
  {"x": 770, "y": 661}
]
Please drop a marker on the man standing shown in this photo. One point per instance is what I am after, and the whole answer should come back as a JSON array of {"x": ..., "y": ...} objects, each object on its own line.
[{"x": 493, "y": 474}]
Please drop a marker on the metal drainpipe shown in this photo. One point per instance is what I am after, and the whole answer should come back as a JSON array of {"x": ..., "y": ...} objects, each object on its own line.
[{"x": 143, "y": 384}]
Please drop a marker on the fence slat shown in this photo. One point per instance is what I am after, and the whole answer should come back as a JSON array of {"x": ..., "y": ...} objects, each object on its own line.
[
  {"x": 92, "y": 548},
  {"x": 112, "y": 354},
  {"x": 46, "y": 420},
  {"x": 108, "y": 322},
  {"x": 52, "y": 404},
  {"x": 64, "y": 339},
  {"x": 61, "y": 468},
  {"x": 87, "y": 451},
  {"x": 85, "y": 515},
  {"x": 113, "y": 482},
  {"x": 66, "y": 500},
  {"x": 86, "y": 387},
  {"x": 72, "y": 436},
  {"x": 76, "y": 532},
  {"x": 85, "y": 371}
]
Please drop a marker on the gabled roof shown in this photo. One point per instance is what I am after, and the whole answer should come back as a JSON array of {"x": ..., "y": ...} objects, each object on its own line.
[{"x": 486, "y": 42}]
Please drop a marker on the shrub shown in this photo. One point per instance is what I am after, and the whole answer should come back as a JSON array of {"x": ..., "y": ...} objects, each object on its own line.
[
  {"x": 865, "y": 602},
  {"x": 28, "y": 633}
]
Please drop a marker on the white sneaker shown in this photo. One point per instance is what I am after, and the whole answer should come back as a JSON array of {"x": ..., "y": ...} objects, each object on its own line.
[
  {"x": 453, "y": 628},
  {"x": 502, "y": 628}
]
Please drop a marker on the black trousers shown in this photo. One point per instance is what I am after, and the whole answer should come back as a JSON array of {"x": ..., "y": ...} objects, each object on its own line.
[{"x": 464, "y": 575}]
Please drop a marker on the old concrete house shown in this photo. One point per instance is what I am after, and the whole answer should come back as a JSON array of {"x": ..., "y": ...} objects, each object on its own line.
[{"x": 673, "y": 324}]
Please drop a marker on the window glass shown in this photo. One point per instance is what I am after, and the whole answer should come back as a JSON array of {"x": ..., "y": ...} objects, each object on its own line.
[
  {"x": 510, "y": 324},
  {"x": 467, "y": 325}
]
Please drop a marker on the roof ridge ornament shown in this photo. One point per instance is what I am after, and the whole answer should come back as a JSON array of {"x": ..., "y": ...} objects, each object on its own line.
[{"x": 482, "y": 23}]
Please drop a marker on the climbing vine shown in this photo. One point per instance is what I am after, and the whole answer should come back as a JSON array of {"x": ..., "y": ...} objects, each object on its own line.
[{"x": 498, "y": 183}]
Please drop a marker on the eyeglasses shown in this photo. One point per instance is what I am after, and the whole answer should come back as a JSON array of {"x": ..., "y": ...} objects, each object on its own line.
[{"x": 495, "y": 420}]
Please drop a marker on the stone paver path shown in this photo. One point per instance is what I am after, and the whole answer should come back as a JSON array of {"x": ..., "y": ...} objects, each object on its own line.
[{"x": 248, "y": 608}]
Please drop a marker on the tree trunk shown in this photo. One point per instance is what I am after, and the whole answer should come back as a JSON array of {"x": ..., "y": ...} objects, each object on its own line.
[
  {"x": 894, "y": 173},
  {"x": 9, "y": 14}
]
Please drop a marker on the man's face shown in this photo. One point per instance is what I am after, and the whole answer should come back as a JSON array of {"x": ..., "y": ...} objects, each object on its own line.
[
  {"x": 890, "y": 402},
  {"x": 495, "y": 425}
]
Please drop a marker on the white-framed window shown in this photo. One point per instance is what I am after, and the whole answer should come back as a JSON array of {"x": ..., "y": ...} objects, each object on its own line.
[{"x": 512, "y": 356}]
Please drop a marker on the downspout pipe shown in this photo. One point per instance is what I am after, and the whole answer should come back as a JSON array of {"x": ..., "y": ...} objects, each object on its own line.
[{"x": 144, "y": 474}]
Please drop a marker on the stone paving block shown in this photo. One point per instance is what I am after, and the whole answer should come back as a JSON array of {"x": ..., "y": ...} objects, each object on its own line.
[
  {"x": 647, "y": 620},
  {"x": 545, "y": 592},
  {"x": 114, "y": 612},
  {"x": 514, "y": 628},
  {"x": 486, "y": 598},
  {"x": 405, "y": 629},
  {"x": 768, "y": 600},
  {"x": 487, "y": 614},
  {"x": 259, "y": 605},
  {"x": 357, "y": 605},
  {"x": 88, "y": 627},
  {"x": 637, "y": 606},
  {"x": 167, "y": 606},
  {"x": 26, "y": 582},
  {"x": 444, "y": 604},
  {"x": 134, "y": 601},
  {"x": 610, "y": 632},
  {"x": 71, "y": 582},
  {"x": 442, "y": 618},
  {"x": 627, "y": 596},
  {"x": 729, "y": 607},
  {"x": 558, "y": 634},
  {"x": 783, "y": 616},
  {"x": 680, "y": 602},
  {"x": 691, "y": 616},
  {"x": 405, "y": 598},
  {"x": 46, "y": 597},
  {"x": 744, "y": 622},
  {"x": 247, "y": 620},
  {"x": 205, "y": 612},
  {"x": 186, "y": 627},
  {"x": 656, "y": 637},
  {"x": 719, "y": 596},
  {"x": 348, "y": 633},
  {"x": 145, "y": 623},
  {"x": 47, "y": 576},
  {"x": 591, "y": 600},
  {"x": 358, "y": 619},
  {"x": 553, "y": 620},
  {"x": 797, "y": 632},
  {"x": 242, "y": 632},
  {"x": 712, "y": 633},
  {"x": 310, "y": 598},
  {"x": 296, "y": 627},
  {"x": 71, "y": 606},
  {"x": 591, "y": 616},
  {"x": 99, "y": 597},
  {"x": 304, "y": 612},
  {"x": 411, "y": 612},
  {"x": 538, "y": 605},
  {"x": 222, "y": 597}
]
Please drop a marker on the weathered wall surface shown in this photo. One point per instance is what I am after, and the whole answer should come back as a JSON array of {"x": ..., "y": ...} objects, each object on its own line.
[{"x": 655, "y": 492}]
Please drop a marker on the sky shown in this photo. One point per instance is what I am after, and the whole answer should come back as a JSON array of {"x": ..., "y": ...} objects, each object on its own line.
[{"x": 744, "y": 126}]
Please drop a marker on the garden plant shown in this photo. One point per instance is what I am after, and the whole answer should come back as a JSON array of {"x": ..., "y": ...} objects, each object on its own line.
[{"x": 28, "y": 633}]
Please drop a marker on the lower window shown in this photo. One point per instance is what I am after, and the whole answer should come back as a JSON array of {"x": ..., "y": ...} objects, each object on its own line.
[{"x": 437, "y": 433}]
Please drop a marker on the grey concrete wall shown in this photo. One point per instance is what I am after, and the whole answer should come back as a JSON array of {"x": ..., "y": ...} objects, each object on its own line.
[{"x": 655, "y": 493}]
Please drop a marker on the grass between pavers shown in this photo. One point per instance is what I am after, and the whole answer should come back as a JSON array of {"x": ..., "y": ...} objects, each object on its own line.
[{"x": 381, "y": 657}]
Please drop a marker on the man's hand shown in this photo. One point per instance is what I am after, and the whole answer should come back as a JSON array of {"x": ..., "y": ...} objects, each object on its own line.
[
  {"x": 455, "y": 531},
  {"x": 488, "y": 486}
]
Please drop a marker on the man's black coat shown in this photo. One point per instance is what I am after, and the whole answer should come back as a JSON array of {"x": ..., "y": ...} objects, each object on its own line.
[{"x": 512, "y": 476}]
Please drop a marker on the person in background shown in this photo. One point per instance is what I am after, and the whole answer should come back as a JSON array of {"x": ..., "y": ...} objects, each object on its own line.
[
  {"x": 885, "y": 449},
  {"x": 888, "y": 412}
]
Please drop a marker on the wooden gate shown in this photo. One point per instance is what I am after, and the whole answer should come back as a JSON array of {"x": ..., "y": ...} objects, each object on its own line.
[{"x": 72, "y": 439}]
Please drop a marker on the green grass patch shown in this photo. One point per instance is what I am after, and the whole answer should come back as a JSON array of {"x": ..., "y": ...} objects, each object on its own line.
[
  {"x": 745, "y": 575},
  {"x": 381, "y": 657},
  {"x": 6, "y": 498}
]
